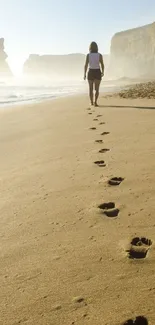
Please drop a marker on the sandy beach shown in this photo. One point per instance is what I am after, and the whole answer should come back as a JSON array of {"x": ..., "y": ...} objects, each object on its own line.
[{"x": 64, "y": 260}]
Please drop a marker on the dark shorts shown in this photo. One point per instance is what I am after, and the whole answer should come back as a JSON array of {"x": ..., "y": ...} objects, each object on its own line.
[{"x": 94, "y": 74}]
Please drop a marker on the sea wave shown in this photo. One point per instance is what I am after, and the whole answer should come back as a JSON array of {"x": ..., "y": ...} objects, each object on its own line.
[
  {"x": 13, "y": 94},
  {"x": 18, "y": 94}
]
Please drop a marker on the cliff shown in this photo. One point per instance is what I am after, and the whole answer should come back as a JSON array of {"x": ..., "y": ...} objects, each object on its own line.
[
  {"x": 4, "y": 67},
  {"x": 132, "y": 53},
  {"x": 70, "y": 65}
]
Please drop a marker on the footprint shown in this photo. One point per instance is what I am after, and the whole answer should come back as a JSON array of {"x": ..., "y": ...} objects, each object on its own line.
[
  {"x": 103, "y": 150},
  {"x": 139, "y": 320},
  {"x": 78, "y": 299},
  {"x": 93, "y": 128},
  {"x": 105, "y": 133},
  {"x": 95, "y": 119},
  {"x": 99, "y": 115},
  {"x": 139, "y": 241},
  {"x": 99, "y": 141},
  {"x": 139, "y": 247},
  {"x": 109, "y": 205},
  {"x": 100, "y": 163},
  {"x": 101, "y": 123},
  {"x": 115, "y": 181},
  {"x": 109, "y": 209},
  {"x": 111, "y": 213}
]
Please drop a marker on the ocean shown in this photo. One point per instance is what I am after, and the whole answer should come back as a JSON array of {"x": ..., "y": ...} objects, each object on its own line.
[{"x": 22, "y": 92}]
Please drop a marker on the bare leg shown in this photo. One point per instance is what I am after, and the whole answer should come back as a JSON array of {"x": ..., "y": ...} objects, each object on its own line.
[
  {"x": 97, "y": 86},
  {"x": 91, "y": 91}
]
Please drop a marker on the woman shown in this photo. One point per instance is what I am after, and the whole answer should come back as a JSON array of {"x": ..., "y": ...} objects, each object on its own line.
[{"x": 94, "y": 60}]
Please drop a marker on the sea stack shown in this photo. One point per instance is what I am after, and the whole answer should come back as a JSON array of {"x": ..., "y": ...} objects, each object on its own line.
[
  {"x": 4, "y": 67},
  {"x": 56, "y": 66}
]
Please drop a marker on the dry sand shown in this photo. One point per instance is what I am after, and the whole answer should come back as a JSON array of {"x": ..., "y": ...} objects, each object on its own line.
[{"x": 62, "y": 260}]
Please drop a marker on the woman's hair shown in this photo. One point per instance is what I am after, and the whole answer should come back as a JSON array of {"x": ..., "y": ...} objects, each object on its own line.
[{"x": 93, "y": 48}]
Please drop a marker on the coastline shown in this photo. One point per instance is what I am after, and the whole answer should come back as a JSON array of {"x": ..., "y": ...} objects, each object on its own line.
[
  {"x": 16, "y": 95},
  {"x": 36, "y": 100},
  {"x": 62, "y": 260}
]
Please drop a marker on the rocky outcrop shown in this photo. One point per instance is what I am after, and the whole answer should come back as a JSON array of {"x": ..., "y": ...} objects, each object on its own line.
[
  {"x": 142, "y": 90},
  {"x": 132, "y": 53},
  {"x": 68, "y": 66},
  {"x": 4, "y": 67},
  {"x": 137, "y": 91}
]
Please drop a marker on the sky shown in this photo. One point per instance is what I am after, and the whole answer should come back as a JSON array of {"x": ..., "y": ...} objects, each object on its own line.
[{"x": 66, "y": 26}]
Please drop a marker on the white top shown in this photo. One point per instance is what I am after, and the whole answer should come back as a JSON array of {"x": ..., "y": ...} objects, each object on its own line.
[{"x": 94, "y": 60}]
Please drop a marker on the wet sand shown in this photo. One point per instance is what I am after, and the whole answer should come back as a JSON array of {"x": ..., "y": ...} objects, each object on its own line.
[{"x": 64, "y": 249}]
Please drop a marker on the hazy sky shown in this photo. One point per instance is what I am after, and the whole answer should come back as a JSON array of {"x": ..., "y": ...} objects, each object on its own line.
[{"x": 66, "y": 26}]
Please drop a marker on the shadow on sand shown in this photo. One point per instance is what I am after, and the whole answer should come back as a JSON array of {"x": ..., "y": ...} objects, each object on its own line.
[{"x": 128, "y": 106}]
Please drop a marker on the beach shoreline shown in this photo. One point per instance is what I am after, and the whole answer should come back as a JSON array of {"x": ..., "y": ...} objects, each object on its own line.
[
  {"x": 11, "y": 95},
  {"x": 63, "y": 260}
]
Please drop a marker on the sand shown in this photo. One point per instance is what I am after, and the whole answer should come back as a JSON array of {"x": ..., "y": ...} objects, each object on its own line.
[{"x": 64, "y": 261}]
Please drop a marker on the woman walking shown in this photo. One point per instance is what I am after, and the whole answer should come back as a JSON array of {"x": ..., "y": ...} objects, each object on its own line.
[{"x": 94, "y": 60}]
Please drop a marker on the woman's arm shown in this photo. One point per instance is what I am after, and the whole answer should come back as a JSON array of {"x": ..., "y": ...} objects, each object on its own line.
[
  {"x": 86, "y": 66},
  {"x": 102, "y": 64}
]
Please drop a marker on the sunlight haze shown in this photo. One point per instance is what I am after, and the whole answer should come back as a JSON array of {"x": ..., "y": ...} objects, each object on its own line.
[{"x": 61, "y": 27}]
